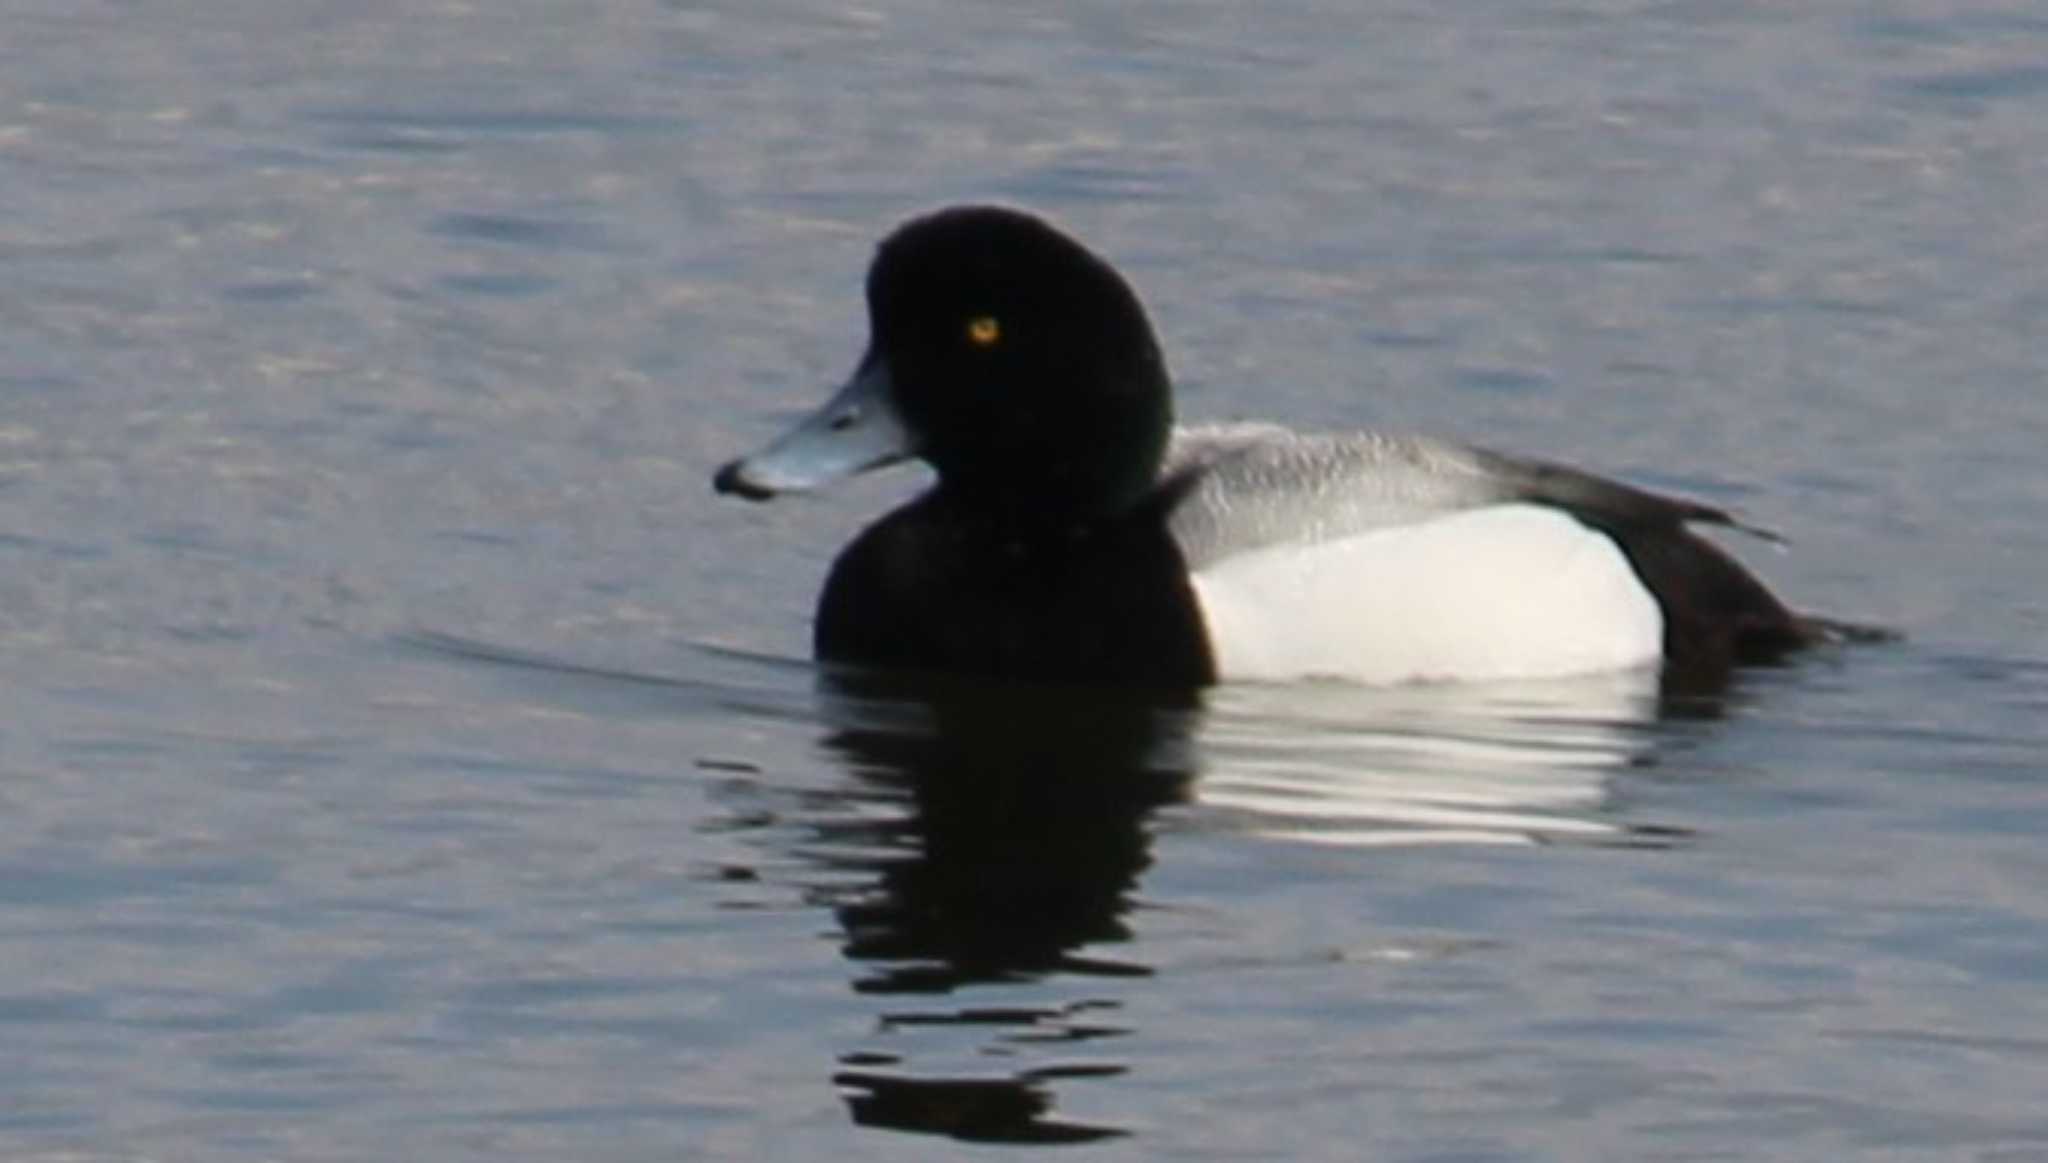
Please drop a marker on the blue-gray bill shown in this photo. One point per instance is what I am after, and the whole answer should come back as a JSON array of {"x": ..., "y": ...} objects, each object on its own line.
[{"x": 856, "y": 430}]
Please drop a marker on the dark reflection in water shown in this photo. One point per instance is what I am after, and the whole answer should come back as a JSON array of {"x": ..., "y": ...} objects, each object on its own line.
[
  {"x": 1003, "y": 830},
  {"x": 988, "y": 838},
  {"x": 1023, "y": 839},
  {"x": 991, "y": 1110}
]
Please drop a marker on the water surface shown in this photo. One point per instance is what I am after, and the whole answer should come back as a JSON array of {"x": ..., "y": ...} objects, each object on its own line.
[{"x": 410, "y": 757}]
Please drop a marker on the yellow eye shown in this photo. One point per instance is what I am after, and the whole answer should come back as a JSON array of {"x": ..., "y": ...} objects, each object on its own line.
[{"x": 984, "y": 331}]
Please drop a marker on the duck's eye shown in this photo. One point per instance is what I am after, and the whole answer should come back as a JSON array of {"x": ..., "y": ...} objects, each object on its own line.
[{"x": 984, "y": 331}]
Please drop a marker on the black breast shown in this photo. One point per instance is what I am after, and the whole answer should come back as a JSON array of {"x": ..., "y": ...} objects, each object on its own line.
[{"x": 934, "y": 587}]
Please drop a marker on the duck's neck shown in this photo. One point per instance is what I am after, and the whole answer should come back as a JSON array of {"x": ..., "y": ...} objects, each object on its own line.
[{"x": 1097, "y": 479}]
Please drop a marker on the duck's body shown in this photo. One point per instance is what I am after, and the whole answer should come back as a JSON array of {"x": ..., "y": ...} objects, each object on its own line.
[{"x": 1073, "y": 534}]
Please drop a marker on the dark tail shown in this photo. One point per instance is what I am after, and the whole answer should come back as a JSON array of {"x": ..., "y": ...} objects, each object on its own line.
[{"x": 1717, "y": 615}]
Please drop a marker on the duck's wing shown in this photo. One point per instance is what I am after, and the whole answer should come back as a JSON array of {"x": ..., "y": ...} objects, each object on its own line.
[
  {"x": 1603, "y": 502},
  {"x": 1389, "y": 559},
  {"x": 1241, "y": 487},
  {"x": 1236, "y": 491}
]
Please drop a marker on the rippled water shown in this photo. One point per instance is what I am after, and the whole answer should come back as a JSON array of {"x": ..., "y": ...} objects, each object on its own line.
[{"x": 409, "y": 757}]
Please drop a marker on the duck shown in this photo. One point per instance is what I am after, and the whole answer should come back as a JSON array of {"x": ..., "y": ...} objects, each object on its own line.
[{"x": 1073, "y": 533}]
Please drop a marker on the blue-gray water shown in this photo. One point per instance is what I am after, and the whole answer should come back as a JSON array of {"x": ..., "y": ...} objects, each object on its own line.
[{"x": 407, "y": 756}]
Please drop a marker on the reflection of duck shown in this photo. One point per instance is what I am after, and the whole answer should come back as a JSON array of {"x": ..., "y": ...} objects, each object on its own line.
[
  {"x": 1026, "y": 834},
  {"x": 1494, "y": 763},
  {"x": 1011, "y": 871},
  {"x": 1025, "y": 838},
  {"x": 1073, "y": 535}
]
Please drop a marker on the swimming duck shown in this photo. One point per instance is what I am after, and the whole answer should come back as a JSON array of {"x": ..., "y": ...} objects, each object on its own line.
[{"x": 1075, "y": 534}]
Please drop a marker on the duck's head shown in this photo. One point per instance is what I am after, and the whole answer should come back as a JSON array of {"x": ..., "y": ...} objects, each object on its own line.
[{"x": 1014, "y": 361}]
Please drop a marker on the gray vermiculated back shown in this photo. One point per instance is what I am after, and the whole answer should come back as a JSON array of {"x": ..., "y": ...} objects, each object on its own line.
[
  {"x": 1251, "y": 486},
  {"x": 1257, "y": 485}
]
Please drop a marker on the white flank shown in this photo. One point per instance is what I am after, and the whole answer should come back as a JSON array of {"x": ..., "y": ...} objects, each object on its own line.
[{"x": 1505, "y": 591}]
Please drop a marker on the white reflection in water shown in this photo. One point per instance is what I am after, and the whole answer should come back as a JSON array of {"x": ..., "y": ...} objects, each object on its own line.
[{"x": 1501, "y": 763}]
